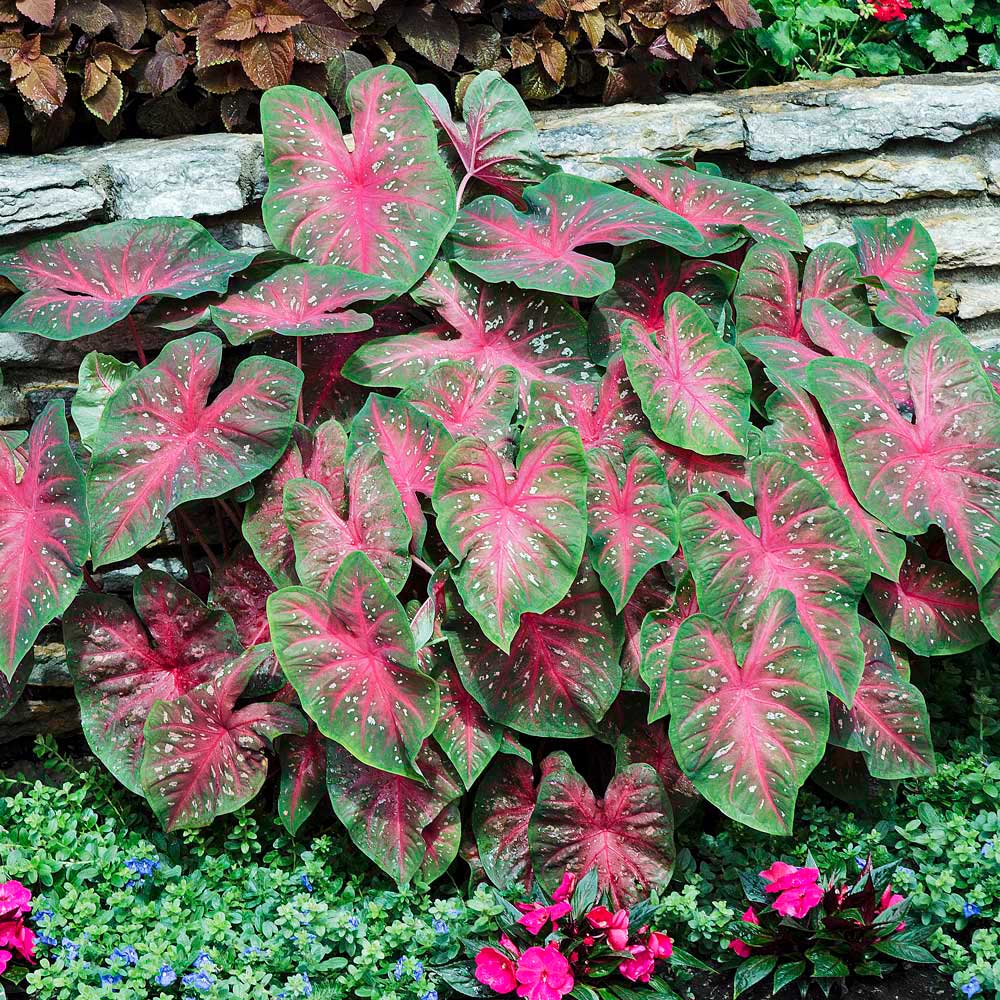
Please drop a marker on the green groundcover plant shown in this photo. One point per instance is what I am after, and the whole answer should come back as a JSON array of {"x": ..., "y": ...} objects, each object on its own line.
[{"x": 629, "y": 469}]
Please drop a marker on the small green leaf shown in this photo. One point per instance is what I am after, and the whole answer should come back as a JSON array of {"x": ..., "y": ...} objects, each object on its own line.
[
  {"x": 787, "y": 973},
  {"x": 752, "y": 971}
]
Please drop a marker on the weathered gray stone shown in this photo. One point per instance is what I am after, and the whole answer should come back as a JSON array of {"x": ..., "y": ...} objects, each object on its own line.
[
  {"x": 42, "y": 192},
  {"x": 978, "y": 298}
]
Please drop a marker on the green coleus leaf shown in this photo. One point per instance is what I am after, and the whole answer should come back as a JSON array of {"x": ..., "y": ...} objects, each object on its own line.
[
  {"x": 518, "y": 533},
  {"x": 694, "y": 387},
  {"x": 803, "y": 544},
  {"x": 394, "y": 173},
  {"x": 84, "y": 282},
  {"x": 537, "y": 248},
  {"x": 749, "y": 719},
  {"x": 100, "y": 375},
  {"x": 203, "y": 757},
  {"x": 161, "y": 443},
  {"x": 349, "y": 655}
]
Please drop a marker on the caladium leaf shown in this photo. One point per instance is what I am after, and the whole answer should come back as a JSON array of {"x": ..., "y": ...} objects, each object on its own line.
[
  {"x": 888, "y": 722},
  {"x": 316, "y": 455},
  {"x": 386, "y": 814},
  {"x": 518, "y": 533},
  {"x": 412, "y": 445},
  {"x": 561, "y": 674},
  {"x": 749, "y": 720},
  {"x": 689, "y": 473},
  {"x": 659, "y": 630},
  {"x": 204, "y": 759},
  {"x": 805, "y": 545},
  {"x": 467, "y": 402},
  {"x": 122, "y": 661},
  {"x": 632, "y": 524},
  {"x": 538, "y": 248},
  {"x": 694, "y": 387},
  {"x": 44, "y": 536},
  {"x": 349, "y": 655},
  {"x": 12, "y": 689},
  {"x": 799, "y": 432},
  {"x": 160, "y": 442},
  {"x": 653, "y": 593},
  {"x": 989, "y": 606},
  {"x": 943, "y": 467},
  {"x": 723, "y": 211},
  {"x": 498, "y": 145},
  {"x": 84, "y": 282},
  {"x": 100, "y": 375},
  {"x": 300, "y": 300},
  {"x": 370, "y": 519},
  {"x": 442, "y": 839},
  {"x": 490, "y": 326},
  {"x": 303, "y": 777},
  {"x": 933, "y": 609},
  {"x": 642, "y": 284},
  {"x": 604, "y": 415},
  {"x": 464, "y": 731},
  {"x": 640, "y": 744},
  {"x": 628, "y": 835},
  {"x": 394, "y": 173},
  {"x": 500, "y": 816}
]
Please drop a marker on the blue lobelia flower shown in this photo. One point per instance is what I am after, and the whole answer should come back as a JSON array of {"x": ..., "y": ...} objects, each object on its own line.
[
  {"x": 198, "y": 981},
  {"x": 203, "y": 961},
  {"x": 307, "y": 987},
  {"x": 42, "y": 938},
  {"x": 110, "y": 978},
  {"x": 398, "y": 970},
  {"x": 430, "y": 995},
  {"x": 70, "y": 949},
  {"x": 354, "y": 923},
  {"x": 142, "y": 866},
  {"x": 127, "y": 955},
  {"x": 166, "y": 976},
  {"x": 972, "y": 987},
  {"x": 418, "y": 972},
  {"x": 970, "y": 910},
  {"x": 440, "y": 927},
  {"x": 306, "y": 884}
]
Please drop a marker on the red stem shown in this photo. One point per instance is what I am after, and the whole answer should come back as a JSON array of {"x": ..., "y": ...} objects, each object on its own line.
[
  {"x": 91, "y": 582},
  {"x": 461, "y": 190},
  {"x": 231, "y": 514},
  {"x": 200, "y": 539},
  {"x": 298, "y": 364},
  {"x": 137, "y": 340}
]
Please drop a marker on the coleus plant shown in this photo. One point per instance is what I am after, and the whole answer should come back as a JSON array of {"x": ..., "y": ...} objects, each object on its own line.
[{"x": 581, "y": 505}]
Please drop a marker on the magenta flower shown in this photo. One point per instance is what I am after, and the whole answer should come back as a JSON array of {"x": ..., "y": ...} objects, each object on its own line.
[
  {"x": 798, "y": 902},
  {"x": 15, "y": 935},
  {"x": 639, "y": 967},
  {"x": 543, "y": 974},
  {"x": 15, "y": 899},
  {"x": 659, "y": 945},
  {"x": 615, "y": 924},
  {"x": 741, "y": 947},
  {"x": 495, "y": 970},
  {"x": 781, "y": 877},
  {"x": 536, "y": 916},
  {"x": 565, "y": 889}
]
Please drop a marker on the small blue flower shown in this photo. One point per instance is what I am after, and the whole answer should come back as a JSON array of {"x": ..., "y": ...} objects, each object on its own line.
[
  {"x": 860, "y": 862},
  {"x": 354, "y": 923},
  {"x": 203, "y": 961},
  {"x": 972, "y": 987},
  {"x": 70, "y": 949},
  {"x": 418, "y": 972},
  {"x": 42, "y": 938},
  {"x": 453, "y": 912},
  {"x": 142, "y": 866},
  {"x": 970, "y": 910},
  {"x": 909, "y": 872},
  {"x": 306, "y": 884},
  {"x": 252, "y": 950},
  {"x": 986, "y": 848},
  {"x": 43, "y": 915},
  {"x": 127, "y": 955},
  {"x": 198, "y": 981},
  {"x": 307, "y": 987},
  {"x": 430, "y": 995},
  {"x": 398, "y": 970},
  {"x": 440, "y": 927},
  {"x": 110, "y": 978},
  {"x": 166, "y": 976}
]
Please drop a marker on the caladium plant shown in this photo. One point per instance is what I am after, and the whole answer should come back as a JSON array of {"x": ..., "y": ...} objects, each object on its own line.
[{"x": 674, "y": 515}]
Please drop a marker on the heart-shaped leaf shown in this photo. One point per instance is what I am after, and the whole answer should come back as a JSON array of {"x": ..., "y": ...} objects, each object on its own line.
[
  {"x": 888, "y": 722},
  {"x": 349, "y": 655},
  {"x": 12, "y": 689},
  {"x": 518, "y": 533},
  {"x": 100, "y": 375},
  {"x": 537, "y": 248},
  {"x": 491, "y": 326},
  {"x": 659, "y": 630},
  {"x": 943, "y": 467},
  {"x": 632, "y": 523},
  {"x": 989, "y": 606},
  {"x": 161, "y": 443},
  {"x": 316, "y": 455},
  {"x": 561, "y": 674},
  {"x": 653, "y": 593},
  {"x": 640, "y": 744},
  {"x": 466, "y": 401},
  {"x": 689, "y": 473},
  {"x": 299, "y": 300},
  {"x": 387, "y": 814},
  {"x": 201, "y": 758},
  {"x": 627, "y": 836},
  {"x": 722, "y": 210},
  {"x": 805, "y": 545},
  {"x": 382, "y": 208},
  {"x": 122, "y": 661},
  {"x": 799, "y": 432},
  {"x": 44, "y": 536},
  {"x": 749, "y": 722},
  {"x": 694, "y": 387},
  {"x": 464, "y": 731},
  {"x": 442, "y": 839},
  {"x": 643, "y": 283},
  {"x": 500, "y": 816},
  {"x": 933, "y": 609},
  {"x": 303, "y": 777},
  {"x": 369, "y": 519},
  {"x": 84, "y": 282}
]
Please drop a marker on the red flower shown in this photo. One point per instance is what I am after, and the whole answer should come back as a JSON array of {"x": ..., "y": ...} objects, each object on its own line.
[
  {"x": 659, "y": 945},
  {"x": 495, "y": 970},
  {"x": 781, "y": 877},
  {"x": 15, "y": 899},
  {"x": 616, "y": 925},
  {"x": 543, "y": 974},
  {"x": 890, "y": 898},
  {"x": 798, "y": 902},
  {"x": 14, "y": 934},
  {"x": 890, "y": 10},
  {"x": 5, "y": 957},
  {"x": 741, "y": 947},
  {"x": 565, "y": 889},
  {"x": 639, "y": 967},
  {"x": 537, "y": 916}
]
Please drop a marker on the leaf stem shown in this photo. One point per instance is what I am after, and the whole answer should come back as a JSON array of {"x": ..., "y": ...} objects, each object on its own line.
[
  {"x": 298, "y": 364},
  {"x": 137, "y": 340},
  {"x": 200, "y": 539},
  {"x": 234, "y": 518},
  {"x": 91, "y": 582},
  {"x": 417, "y": 561},
  {"x": 461, "y": 190}
]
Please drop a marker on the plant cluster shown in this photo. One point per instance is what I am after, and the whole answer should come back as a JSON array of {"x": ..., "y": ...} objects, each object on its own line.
[
  {"x": 76, "y": 67},
  {"x": 522, "y": 542}
]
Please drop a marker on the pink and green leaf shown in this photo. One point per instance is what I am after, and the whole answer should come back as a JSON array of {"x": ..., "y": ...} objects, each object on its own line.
[
  {"x": 694, "y": 387},
  {"x": 100, "y": 375},
  {"x": 689, "y": 473},
  {"x": 383, "y": 207},
  {"x": 44, "y": 534},
  {"x": 650, "y": 745},
  {"x": 161, "y": 442},
  {"x": 749, "y": 721},
  {"x": 653, "y": 593},
  {"x": 518, "y": 533},
  {"x": 303, "y": 777},
  {"x": 442, "y": 839},
  {"x": 989, "y": 606},
  {"x": 500, "y": 817},
  {"x": 349, "y": 655},
  {"x": 656, "y": 641},
  {"x": 11, "y": 689},
  {"x": 537, "y": 248},
  {"x": 627, "y": 835},
  {"x": 464, "y": 730}
]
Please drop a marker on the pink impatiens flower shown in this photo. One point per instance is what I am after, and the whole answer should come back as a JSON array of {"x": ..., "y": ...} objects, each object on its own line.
[
  {"x": 797, "y": 888},
  {"x": 741, "y": 947},
  {"x": 659, "y": 945},
  {"x": 798, "y": 902},
  {"x": 536, "y": 916},
  {"x": 15, "y": 899},
  {"x": 495, "y": 970},
  {"x": 615, "y": 924},
  {"x": 565, "y": 888},
  {"x": 639, "y": 967},
  {"x": 890, "y": 898},
  {"x": 543, "y": 974}
]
